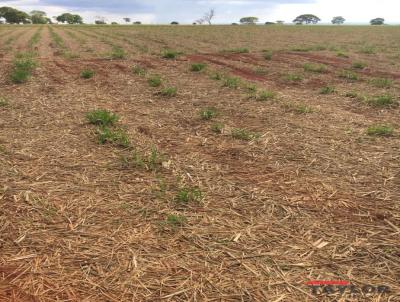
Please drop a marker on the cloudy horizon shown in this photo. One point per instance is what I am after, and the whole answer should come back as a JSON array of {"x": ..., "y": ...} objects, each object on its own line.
[{"x": 227, "y": 11}]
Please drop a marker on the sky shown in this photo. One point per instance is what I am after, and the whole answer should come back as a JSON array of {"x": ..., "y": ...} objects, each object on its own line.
[{"x": 227, "y": 11}]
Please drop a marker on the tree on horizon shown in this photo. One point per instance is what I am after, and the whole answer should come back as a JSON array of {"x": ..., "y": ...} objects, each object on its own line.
[{"x": 306, "y": 18}]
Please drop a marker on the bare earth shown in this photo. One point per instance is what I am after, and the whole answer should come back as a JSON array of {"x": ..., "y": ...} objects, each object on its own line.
[{"x": 311, "y": 195}]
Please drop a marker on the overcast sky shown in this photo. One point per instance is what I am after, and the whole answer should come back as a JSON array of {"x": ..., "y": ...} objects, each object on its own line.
[{"x": 227, "y": 11}]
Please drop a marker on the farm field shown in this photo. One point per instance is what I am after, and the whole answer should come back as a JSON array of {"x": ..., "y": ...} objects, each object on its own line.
[{"x": 198, "y": 163}]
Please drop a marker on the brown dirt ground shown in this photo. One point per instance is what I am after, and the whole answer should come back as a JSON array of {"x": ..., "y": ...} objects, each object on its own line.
[{"x": 313, "y": 198}]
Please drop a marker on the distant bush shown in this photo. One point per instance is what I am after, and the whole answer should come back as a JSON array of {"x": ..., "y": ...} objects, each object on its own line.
[
  {"x": 377, "y": 21},
  {"x": 174, "y": 23}
]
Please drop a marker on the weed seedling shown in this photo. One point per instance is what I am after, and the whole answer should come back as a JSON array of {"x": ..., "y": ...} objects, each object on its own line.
[
  {"x": 327, "y": 90},
  {"x": 251, "y": 88},
  {"x": 102, "y": 117},
  {"x": 117, "y": 53},
  {"x": 260, "y": 71},
  {"x": 267, "y": 54},
  {"x": 87, "y": 74},
  {"x": 216, "y": 76},
  {"x": 169, "y": 91},
  {"x": 348, "y": 75},
  {"x": 244, "y": 134},
  {"x": 380, "y": 130},
  {"x": 301, "y": 48},
  {"x": 22, "y": 69},
  {"x": 186, "y": 195},
  {"x": 116, "y": 137},
  {"x": 381, "y": 82},
  {"x": 381, "y": 101},
  {"x": 197, "y": 67},
  {"x": 352, "y": 95},
  {"x": 231, "y": 82},
  {"x": 176, "y": 220},
  {"x": 293, "y": 77},
  {"x": 19, "y": 76},
  {"x": 154, "y": 81},
  {"x": 140, "y": 71},
  {"x": 237, "y": 50},
  {"x": 342, "y": 55},
  {"x": 265, "y": 95},
  {"x": 3, "y": 102},
  {"x": 150, "y": 162},
  {"x": 208, "y": 113},
  {"x": 217, "y": 128},
  {"x": 170, "y": 54},
  {"x": 359, "y": 65},
  {"x": 318, "y": 68},
  {"x": 303, "y": 109},
  {"x": 369, "y": 50}
]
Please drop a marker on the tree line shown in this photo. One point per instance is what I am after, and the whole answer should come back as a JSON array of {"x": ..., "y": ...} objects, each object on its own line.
[
  {"x": 14, "y": 16},
  {"x": 309, "y": 19}
]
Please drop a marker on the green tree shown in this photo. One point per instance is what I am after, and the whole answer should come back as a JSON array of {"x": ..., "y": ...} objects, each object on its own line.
[
  {"x": 377, "y": 21},
  {"x": 13, "y": 15},
  {"x": 249, "y": 20},
  {"x": 338, "y": 20},
  {"x": 39, "y": 17},
  {"x": 307, "y": 18},
  {"x": 77, "y": 19},
  {"x": 70, "y": 18}
]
